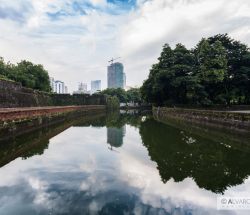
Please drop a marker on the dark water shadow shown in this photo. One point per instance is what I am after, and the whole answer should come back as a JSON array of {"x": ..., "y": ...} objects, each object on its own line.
[{"x": 181, "y": 154}]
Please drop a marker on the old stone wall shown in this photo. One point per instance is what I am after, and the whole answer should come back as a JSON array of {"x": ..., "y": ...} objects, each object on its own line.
[
  {"x": 78, "y": 99},
  {"x": 12, "y": 95},
  {"x": 234, "y": 121},
  {"x": 14, "y": 122}
]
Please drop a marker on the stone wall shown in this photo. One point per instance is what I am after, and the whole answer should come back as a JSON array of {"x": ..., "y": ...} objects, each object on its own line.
[
  {"x": 12, "y": 94},
  {"x": 14, "y": 122},
  {"x": 78, "y": 99},
  {"x": 234, "y": 121}
]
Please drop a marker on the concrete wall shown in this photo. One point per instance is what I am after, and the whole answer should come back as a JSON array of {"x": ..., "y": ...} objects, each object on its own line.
[{"x": 238, "y": 122}]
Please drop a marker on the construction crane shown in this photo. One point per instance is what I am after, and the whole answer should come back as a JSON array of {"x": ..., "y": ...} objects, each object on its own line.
[{"x": 112, "y": 60}]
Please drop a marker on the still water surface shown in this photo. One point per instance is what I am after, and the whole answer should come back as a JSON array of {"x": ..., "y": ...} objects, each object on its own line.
[{"x": 119, "y": 164}]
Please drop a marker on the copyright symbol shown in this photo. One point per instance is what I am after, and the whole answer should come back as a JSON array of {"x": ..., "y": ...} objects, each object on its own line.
[{"x": 224, "y": 201}]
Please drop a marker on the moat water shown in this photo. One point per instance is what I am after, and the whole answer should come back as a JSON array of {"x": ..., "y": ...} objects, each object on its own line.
[{"x": 121, "y": 164}]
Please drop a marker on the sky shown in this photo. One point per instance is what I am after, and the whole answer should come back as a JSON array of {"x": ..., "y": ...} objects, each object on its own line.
[{"x": 75, "y": 39}]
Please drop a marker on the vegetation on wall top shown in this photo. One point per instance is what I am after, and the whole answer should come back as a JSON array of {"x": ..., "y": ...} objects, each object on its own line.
[{"x": 28, "y": 74}]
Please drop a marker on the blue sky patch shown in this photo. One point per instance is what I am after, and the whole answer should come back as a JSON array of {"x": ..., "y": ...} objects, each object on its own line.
[
  {"x": 123, "y": 4},
  {"x": 79, "y": 7},
  {"x": 73, "y": 9}
]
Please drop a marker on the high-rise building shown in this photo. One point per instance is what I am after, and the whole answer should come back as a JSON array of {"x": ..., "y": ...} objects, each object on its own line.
[
  {"x": 116, "y": 76},
  {"x": 95, "y": 86},
  {"x": 58, "y": 86}
]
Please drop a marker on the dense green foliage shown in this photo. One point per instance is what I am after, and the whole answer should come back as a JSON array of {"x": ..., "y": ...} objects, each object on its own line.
[
  {"x": 28, "y": 74},
  {"x": 132, "y": 95},
  {"x": 113, "y": 103},
  {"x": 216, "y": 71}
]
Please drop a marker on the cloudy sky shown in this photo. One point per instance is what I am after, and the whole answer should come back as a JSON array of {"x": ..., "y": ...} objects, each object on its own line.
[{"x": 74, "y": 39}]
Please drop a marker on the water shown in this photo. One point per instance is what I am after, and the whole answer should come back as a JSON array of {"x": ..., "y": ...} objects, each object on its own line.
[{"x": 117, "y": 164}]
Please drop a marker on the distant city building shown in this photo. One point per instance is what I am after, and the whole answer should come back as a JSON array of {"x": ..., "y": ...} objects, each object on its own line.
[
  {"x": 58, "y": 86},
  {"x": 116, "y": 76},
  {"x": 52, "y": 84},
  {"x": 95, "y": 86},
  {"x": 82, "y": 89}
]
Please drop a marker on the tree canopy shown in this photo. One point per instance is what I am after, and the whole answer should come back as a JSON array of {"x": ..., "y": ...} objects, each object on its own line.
[
  {"x": 215, "y": 71},
  {"x": 131, "y": 95},
  {"x": 28, "y": 74}
]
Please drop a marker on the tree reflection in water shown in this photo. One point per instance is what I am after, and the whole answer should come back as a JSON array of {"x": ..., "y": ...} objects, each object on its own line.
[{"x": 179, "y": 155}]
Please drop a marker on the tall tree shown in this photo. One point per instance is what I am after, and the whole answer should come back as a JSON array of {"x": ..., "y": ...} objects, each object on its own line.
[
  {"x": 238, "y": 57},
  {"x": 171, "y": 79},
  {"x": 212, "y": 70}
]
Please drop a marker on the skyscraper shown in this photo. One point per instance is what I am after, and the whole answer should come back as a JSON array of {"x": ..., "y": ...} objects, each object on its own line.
[
  {"x": 95, "y": 86},
  {"x": 116, "y": 76}
]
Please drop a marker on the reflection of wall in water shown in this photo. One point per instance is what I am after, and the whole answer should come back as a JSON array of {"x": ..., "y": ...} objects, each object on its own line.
[{"x": 115, "y": 136}]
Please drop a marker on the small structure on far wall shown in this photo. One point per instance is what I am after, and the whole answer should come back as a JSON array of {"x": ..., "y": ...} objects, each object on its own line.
[
  {"x": 58, "y": 87},
  {"x": 82, "y": 89}
]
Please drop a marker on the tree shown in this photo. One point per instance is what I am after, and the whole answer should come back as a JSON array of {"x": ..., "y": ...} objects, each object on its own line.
[
  {"x": 134, "y": 95},
  {"x": 216, "y": 71},
  {"x": 170, "y": 80},
  {"x": 28, "y": 74},
  {"x": 118, "y": 92},
  {"x": 183, "y": 68},
  {"x": 33, "y": 76},
  {"x": 212, "y": 70},
  {"x": 156, "y": 89},
  {"x": 238, "y": 68}
]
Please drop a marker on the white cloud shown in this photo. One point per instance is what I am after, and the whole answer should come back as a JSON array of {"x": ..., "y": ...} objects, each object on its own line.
[
  {"x": 185, "y": 21},
  {"x": 75, "y": 46},
  {"x": 99, "y": 2}
]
